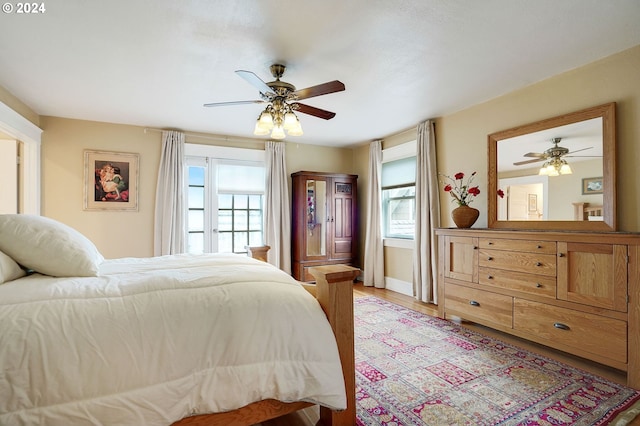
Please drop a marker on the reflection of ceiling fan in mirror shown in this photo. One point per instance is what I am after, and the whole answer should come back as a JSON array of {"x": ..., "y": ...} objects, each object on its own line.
[
  {"x": 555, "y": 164},
  {"x": 282, "y": 99}
]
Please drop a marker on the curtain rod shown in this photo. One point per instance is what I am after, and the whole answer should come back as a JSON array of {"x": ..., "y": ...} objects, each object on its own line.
[{"x": 211, "y": 137}]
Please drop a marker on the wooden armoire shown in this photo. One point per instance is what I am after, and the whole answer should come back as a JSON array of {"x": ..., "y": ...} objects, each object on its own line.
[{"x": 324, "y": 221}]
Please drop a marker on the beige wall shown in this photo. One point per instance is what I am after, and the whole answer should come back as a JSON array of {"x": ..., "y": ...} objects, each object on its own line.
[{"x": 122, "y": 234}]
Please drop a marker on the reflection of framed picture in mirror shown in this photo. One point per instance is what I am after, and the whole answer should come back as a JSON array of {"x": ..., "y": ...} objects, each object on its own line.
[
  {"x": 592, "y": 186},
  {"x": 533, "y": 202}
]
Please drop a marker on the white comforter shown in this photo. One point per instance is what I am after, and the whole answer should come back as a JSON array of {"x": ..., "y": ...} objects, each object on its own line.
[{"x": 153, "y": 340}]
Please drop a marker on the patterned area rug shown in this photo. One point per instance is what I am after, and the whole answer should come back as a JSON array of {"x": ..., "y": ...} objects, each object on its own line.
[{"x": 413, "y": 369}]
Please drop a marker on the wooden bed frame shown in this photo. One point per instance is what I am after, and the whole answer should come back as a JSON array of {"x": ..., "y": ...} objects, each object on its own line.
[{"x": 334, "y": 292}]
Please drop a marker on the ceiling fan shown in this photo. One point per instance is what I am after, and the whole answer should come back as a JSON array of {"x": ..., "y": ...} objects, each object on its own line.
[
  {"x": 554, "y": 163},
  {"x": 555, "y": 152},
  {"x": 282, "y": 99}
]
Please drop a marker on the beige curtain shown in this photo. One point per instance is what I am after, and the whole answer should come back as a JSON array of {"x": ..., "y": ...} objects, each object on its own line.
[
  {"x": 170, "y": 220},
  {"x": 425, "y": 255},
  {"x": 373, "y": 249},
  {"x": 277, "y": 208}
]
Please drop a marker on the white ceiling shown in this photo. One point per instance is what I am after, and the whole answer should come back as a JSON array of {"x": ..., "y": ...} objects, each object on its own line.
[{"x": 155, "y": 62}]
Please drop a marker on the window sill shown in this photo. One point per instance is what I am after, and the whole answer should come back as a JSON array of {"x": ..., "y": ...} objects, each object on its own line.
[{"x": 398, "y": 243}]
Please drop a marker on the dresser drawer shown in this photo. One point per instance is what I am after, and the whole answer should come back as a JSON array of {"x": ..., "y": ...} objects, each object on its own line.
[
  {"x": 540, "y": 285},
  {"x": 545, "y": 247},
  {"x": 602, "y": 336},
  {"x": 477, "y": 305},
  {"x": 533, "y": 263}
]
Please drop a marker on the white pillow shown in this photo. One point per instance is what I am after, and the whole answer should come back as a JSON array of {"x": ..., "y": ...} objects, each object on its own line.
[
  {"x": 48, "y": 246},
  {"x": 9, "y": 269}
]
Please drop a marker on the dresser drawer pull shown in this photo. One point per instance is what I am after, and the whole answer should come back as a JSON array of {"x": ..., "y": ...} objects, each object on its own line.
[
  {"x": 489, "y": 277},
  {"x": 561, "y": 326},
  {"x": 538, "y": 285},
  {"x": 489, "y": 258},
  {"x": 560, "y": 254},
  {"x": 539, "y": 246},
  {"x": 490, "y": 243},
  {"x": 474, "y": 303},
  {"x": 538, "y": 264}
]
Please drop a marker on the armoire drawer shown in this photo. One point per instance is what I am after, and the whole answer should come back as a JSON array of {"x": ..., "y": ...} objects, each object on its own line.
[
  {"x": 532, "y": 263},
  {"x": 477, "y": 305},
  {"x": 539, "y": 285},
  {"x": 544, "y": 247},
  {"x": 605, "y": 337}
]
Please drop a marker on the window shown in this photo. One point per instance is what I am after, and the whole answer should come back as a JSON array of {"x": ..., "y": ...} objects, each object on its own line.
[
  {"x": 399, "y": 194},
  {"x": 225, "y": 200}
]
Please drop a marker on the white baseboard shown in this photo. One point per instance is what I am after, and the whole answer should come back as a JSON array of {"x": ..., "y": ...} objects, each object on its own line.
[{"x": 398, "y": 286}]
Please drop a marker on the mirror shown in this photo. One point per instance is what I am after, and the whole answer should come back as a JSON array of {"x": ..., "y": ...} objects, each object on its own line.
[
  {"x": 316, "y": 217},
  {"x": 578, "y": 196}
]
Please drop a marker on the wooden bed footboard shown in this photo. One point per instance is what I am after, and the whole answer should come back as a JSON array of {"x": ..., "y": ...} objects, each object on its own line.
[{"x": 334, "y": 292}]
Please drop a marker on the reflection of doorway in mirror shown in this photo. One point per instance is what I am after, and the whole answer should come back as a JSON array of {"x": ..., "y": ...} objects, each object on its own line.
[{"x": 525, "y": 198}]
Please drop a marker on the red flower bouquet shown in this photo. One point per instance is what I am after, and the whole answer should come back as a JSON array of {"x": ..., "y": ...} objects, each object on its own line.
[{"x": 462, "y": 192}]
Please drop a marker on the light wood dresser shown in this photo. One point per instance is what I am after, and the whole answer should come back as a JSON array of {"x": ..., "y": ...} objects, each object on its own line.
[{"x": 578, "y": 292}]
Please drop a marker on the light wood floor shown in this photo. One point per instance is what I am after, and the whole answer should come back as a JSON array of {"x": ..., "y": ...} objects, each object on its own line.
[{"x": 309, "y": 416}]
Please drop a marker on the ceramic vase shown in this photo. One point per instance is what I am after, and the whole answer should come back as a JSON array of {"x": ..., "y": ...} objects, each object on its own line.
[{"x": 465, "y": 216}]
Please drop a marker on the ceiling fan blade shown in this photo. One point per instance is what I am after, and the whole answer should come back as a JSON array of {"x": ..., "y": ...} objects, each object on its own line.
[
  {"x": 535, "y": 154},
  {"x": 255, "y": 81},
  {"x": 317, "y": 112},
  {"x": 320, "y": 89},
  {"x": 215, "y": 104},
  {"x": 520, "y": 163},
  {"x": 578, "y": 150}
]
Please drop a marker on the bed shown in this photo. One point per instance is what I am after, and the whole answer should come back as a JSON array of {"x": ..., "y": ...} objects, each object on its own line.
[{"x": 164, "y": 340}]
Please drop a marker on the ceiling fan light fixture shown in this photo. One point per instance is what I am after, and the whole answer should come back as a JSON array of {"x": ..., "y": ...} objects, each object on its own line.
[
  {"x": 297, "y": 129},
  {"x": 543, "y": 170},
  {"x": 266, "y": 120},
  {"x": 565, "y": 169},
  {"x": 290, "y": 120},
  {"x": 260, "y": 130},
  {"x": 278, "y": 132}
]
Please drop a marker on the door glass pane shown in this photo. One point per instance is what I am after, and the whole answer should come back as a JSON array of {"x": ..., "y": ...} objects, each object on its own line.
[
  {"x": 196, "y": 220},
  {"x": 240, "y": 221},
  {"x": 240, "y": 201},
  {"x": 196, "y": 197},
  {"x": 225, "y": 242},
  {"x": 255, "y": 202},
  {"x": 224, "y": 220},
  {"x": 255, "y": 220},
  {"x": 316, "y": 217},
  {"x": 196, "y": 175},
  {"x": 240, "y": 239},
  {"x": 225, "y": 201},
  {"x": 196, "y": 242},
  {"x": 255, "y": 238}
]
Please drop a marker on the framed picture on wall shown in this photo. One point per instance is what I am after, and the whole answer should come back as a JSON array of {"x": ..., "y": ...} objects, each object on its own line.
[
  {"x": 111, "y": 181},
  {"x": 533, "y": 202},
  {"x": 592, "y": 185}
]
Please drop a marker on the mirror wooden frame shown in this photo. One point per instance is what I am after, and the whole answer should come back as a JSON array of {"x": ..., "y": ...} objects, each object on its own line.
[{"x": 607, "y": 113}]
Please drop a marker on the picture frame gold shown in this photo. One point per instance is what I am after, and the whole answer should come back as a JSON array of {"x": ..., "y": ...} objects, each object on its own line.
[{"x": 111, "y": 181}]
